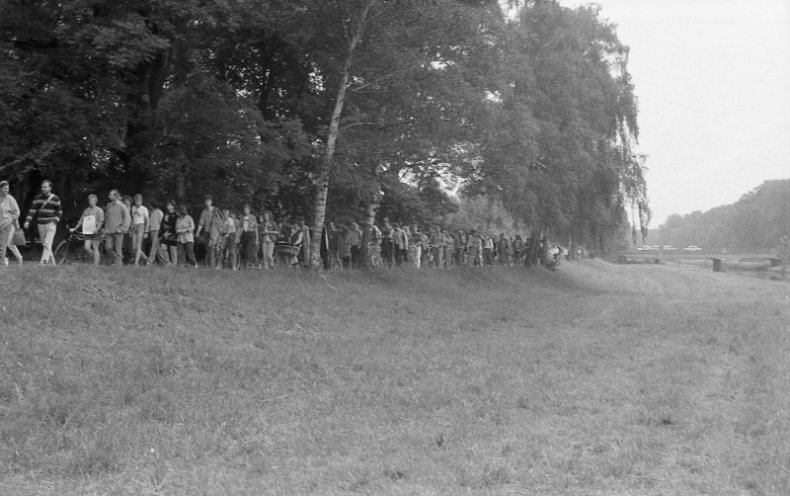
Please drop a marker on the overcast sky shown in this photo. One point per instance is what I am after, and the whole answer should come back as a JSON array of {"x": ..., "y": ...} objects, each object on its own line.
[{"x": 713, "y": 81}]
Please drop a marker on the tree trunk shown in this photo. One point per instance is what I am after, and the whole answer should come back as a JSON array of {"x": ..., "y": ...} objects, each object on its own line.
[
  {"x": 141, "y": 105},
  {"x": 373, "y": 208},
  {"x": 319, "y": 214},
  {"x": 180, "y": 186}
]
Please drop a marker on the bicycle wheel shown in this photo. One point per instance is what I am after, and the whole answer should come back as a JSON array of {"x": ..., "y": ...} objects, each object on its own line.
[{"x": 61, "y": 252}]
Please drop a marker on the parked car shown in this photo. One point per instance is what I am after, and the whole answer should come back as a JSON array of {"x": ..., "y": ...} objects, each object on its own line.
[
  {"x": 692, "y": 249},
  {"x": 670, "y": 248},
  {"x": 645, "y": 248}
]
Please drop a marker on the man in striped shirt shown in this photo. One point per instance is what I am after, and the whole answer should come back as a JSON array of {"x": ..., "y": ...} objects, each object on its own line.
[{"x": 47, "y": 212}]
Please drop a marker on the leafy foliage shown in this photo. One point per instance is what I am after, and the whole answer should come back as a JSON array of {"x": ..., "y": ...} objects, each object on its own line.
[
  {"x": 758, "y": 220},
  {"x": 271, "y": 102}
]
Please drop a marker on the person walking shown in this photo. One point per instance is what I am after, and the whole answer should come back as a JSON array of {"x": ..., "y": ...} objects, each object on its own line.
[
  {"x": 128, "y": 239},
  {"x": 169, "y": 237},
  {"x": 343, "y": 246},
  {"x": 438, "y": 243},
  {"x": 387, "y": 243},
  {"x": 488, "y": 249},
  {"x": 518, "y": 249},
  {"x": 47, "y": 211},
  {"x": 91, "y": 222},
  {"x": 9, "y": 221},
  {"x": 401, "y": 244},
  {"x": 449, "y": 248},
  {"x": 141, "y": 220},
  {"x": 475, "y": 249},
  {"x": 354, "y": 243},
  {"x": 249, "y": 238},
  {"x": 213, "y": 223},
  {"x": 269, "y": 232},
  {"x": 333, "y": 236},
  {"x": 155, "y": 218},
  {"x": 116, "y": 224},
  {"x": 419, "y": 241},
  {"x": 300, "y": 237},
  {"x": 185, "y": 227},
  {"x": 229, "y": 242}
]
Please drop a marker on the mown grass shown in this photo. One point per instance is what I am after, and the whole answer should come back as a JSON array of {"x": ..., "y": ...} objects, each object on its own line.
[{"x": 596, "y": 379}]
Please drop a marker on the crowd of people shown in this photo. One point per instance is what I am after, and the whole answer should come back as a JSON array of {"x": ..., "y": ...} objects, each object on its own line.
[{"x": 137, "y": 233}]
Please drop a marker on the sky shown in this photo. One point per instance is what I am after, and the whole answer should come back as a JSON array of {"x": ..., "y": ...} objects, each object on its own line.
[{"x": 713, "y": 82}]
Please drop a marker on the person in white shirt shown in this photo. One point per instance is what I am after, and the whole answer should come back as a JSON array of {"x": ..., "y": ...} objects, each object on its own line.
[
  {"x": 9, "y": 221},
  {"x": 92, "y": 221},
  {"x": 155, "y": 218},
  {"x": 140, "y": 222}
]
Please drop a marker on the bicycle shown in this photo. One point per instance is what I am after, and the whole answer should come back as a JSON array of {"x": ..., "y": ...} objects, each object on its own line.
[{"x": 65, "y": 251}]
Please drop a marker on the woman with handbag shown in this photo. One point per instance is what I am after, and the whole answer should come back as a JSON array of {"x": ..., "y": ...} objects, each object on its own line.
[{"x": 9, "y": 221}]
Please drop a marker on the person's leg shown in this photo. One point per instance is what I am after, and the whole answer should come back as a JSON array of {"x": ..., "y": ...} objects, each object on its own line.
[
  {"x": 41, "y": 236},
  {"x": 211, "y": 247},
  {"x": 16, "y": 253},
  {"x": 87, "y": 246},
  {"x": 49, "y": 239},
  {"x": 234, "y": 251},
  {"x": 219, "y": 252},
  {"x": 6, "y": 234},
  {"x": 385, "y": 253},
  {"x": 189, "y": 250},
  {"x": 11, "y": 246},
  {"x": 115, "y": 247},
  {"x": 137, "y": 243},
  {"x": 244, "y": 250},
  {"x": 252, "y": 251},
  {"x": 120, "y": 241},
  {"x": 163, "y": 254},
  {"x": 268, "y": 255},
  {"x": 127, "y": 248},
  {"x": 154, "y": 237},
  {"x": 95, "y": 245}
]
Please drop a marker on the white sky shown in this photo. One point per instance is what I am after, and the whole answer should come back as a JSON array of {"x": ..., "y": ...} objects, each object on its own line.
[{"x": 713, "y": 81}]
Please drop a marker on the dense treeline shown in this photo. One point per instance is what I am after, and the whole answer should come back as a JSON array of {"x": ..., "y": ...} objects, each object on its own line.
[
  {"x": 326, "y": 107},
  {"x": 755, "y": 222}
]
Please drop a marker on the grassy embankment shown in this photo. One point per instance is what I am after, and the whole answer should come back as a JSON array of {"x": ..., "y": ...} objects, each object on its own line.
[{"x": 596, "y": 379}]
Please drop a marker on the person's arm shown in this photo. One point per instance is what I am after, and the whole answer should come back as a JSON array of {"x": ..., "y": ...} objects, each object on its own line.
[
  {"x": 32, "y": 212},
  {"x": 15, "y": 213},
  {"x": 79, "y": 222},
  {"x": 127, "y": 219},
  {"x": 14, "y": 208},
  {"x": 58, "y": 209},
  {"x": 99, "y": 220},
  {"x": 201, "y": 223}
]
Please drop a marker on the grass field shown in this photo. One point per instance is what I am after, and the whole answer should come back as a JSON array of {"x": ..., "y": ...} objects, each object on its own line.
[{"x": 596, "y": 379}]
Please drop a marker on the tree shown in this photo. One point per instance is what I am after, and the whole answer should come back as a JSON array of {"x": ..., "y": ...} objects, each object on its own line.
[
  {"x": 559, "y": 151},
  {"x": 395, "y": 55}
]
